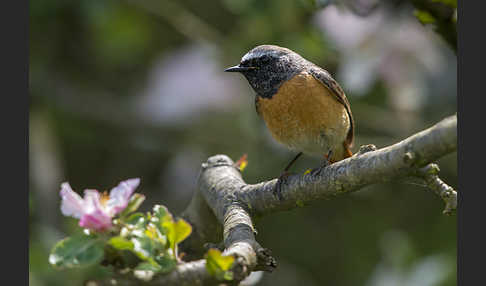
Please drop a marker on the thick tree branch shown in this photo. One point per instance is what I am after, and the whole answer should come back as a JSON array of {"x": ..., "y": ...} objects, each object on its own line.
[{"x": 366, "y": 167}]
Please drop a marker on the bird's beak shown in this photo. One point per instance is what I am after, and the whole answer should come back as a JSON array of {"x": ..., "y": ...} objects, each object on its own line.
[{"x": 239, "y": 69}]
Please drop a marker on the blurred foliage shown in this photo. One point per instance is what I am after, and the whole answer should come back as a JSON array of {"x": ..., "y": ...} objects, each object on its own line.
[
  {"x": 442, "y": 14},
  {"x": 77, "y": 251},
  {"x": 97, "y": 66}
]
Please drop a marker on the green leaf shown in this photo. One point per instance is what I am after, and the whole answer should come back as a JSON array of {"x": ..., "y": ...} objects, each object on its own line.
[
  {"x": 135, "y": 201},
  {"x": 146, "y": 270},
  {"x": 176, "y": 231},
  {"x": 143, "y": 247},
  {"x": 228, "y": 275},
  {"x": 166, "y": 263},
  {"x": 154, "y": 233},
  {"x": 136, "y": 220},
  {"x": 121, "y": 243},
  {"x": 149, "y": 266},
  {"x": 160, "y": 215},
  {"x": 77, "y": 251},
  {"x": 218, "y": 265},
  {"x": 424, "y": 17}
]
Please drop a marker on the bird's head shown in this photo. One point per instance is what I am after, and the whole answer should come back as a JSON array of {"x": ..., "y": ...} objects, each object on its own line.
[{"x": 266, "y": 67}]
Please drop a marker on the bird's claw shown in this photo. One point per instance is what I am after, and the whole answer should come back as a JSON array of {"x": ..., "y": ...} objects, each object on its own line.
[
  {"x": 278, "y": 187},
  {"x": 324, "y": 163}
]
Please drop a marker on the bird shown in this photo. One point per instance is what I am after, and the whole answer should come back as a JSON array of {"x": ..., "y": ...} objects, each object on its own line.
[{"x": 303, "y": 107}]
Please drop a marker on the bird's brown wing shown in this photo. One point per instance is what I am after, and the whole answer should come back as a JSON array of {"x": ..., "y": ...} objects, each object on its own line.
[{"x": 325, "y": 78}]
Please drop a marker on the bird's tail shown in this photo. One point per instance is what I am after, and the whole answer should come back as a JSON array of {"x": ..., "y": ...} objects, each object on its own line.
[{"x": 347, "y": 152}]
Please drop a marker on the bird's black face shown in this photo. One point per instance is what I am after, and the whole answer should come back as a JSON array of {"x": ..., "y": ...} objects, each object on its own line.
[{"x": 267, "y": 67}]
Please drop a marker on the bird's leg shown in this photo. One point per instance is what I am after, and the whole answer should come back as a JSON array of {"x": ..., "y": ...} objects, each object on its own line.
[
  {"x": 327, "y": 160},
  {"x": 292, "y": 162},
  {"x": 324, "y": 163},
  {"x": 284, "y": 176}
]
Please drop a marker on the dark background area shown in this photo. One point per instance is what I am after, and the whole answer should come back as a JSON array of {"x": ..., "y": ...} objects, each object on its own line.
[{"x": 123, "y": 89}]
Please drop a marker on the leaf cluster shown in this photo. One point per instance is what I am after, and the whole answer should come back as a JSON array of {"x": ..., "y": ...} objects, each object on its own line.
[{"x": 140, "y": 242}]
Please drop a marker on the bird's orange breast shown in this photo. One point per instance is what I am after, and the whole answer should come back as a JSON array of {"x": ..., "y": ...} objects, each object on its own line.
[{"x": 305, "y": 116}]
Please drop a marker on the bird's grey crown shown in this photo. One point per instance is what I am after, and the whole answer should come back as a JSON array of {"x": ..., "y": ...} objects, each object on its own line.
[{"x": 265, "y": 51}]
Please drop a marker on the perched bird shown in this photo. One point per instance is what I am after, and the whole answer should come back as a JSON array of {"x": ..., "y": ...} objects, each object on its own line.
[{"x": 304, "y": 108}]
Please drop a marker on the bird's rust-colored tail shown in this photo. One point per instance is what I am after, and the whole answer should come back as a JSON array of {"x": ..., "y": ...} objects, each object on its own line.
[
  {"x": 347, "y": 151},
  {"x": 345, "y": 154}
]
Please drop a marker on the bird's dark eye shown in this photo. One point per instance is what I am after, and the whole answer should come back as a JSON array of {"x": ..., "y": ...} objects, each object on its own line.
[{"x": 245, "y": 63}]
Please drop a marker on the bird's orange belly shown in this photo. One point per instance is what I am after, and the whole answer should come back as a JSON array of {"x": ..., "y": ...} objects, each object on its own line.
[{"x": 305, "y": 116}]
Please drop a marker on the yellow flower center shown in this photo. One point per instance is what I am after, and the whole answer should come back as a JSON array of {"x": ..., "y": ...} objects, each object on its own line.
[{"x": 104, "y": 198}]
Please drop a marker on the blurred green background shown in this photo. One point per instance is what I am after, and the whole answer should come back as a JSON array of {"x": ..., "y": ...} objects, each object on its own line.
[{"x": 123, "y": 89}]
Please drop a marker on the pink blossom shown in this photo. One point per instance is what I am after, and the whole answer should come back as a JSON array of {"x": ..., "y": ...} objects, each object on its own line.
[{"x": 95, "y": 211}]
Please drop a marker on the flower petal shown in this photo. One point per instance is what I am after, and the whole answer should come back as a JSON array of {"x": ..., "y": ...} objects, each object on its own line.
[
  {"x": 92, "y": 201},
  {"x": 120, "y": 196},
  {"x": 97, "y": 220},
  {"x": 95, "y": 216},
  {"x": 72, "y": 204}
]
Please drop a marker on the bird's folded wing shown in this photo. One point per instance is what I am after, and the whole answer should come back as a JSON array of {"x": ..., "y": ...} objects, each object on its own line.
[{"x": 325, "y": 78}]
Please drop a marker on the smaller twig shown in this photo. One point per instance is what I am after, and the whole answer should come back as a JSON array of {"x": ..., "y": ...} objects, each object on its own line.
[
  {"x": 430, "y": 175},
  {"x": 238, "y": 231}
]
